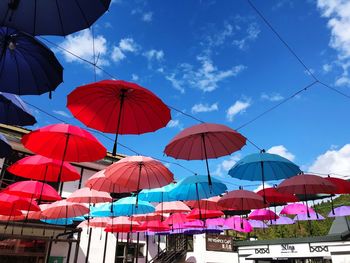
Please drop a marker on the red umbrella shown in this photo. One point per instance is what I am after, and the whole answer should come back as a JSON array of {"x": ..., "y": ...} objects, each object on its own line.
[
  {"x": 64, "y": 209},
  {"x": 33, "y": 189},
  {"x": 147, "y": 217},
  {"x": 274, "y": 197},
  {"x": 97, "y": 222},
  {"x": 210, "y": 203},
  {"x": 64, "y": 142},
  {"x": 38, "y": 167},
  {"x": 241, "y": 200},
  {"x": 263, "y": 214},
  {"x": 343, "y": 186},
  {"x": 139, "y": 172},
  {"x": 90, "y": 196},
  {"x": 203, "y": 214},
  {"x": 172, "y": 207},
  {"x": 118, "y": 107},
  {"x": 176, "y": 218},
  {"x": 99, "y": 182},
  {"x": 8, "y": 218},
  {"x": 156, "y": 226},
  {"x": 122, "y": 224},
  {"x": 18, "y": 203},
  {"x": 6, "y": 210},
  {"x": 205, "y": 141}
]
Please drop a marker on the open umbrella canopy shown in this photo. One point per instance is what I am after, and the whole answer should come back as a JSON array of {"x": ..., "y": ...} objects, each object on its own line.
[
  {"x": 28, "y": 67},
  {"x": 308, "y": 217},
  {"x": 64, "y": 209},
  {"x": 8, "y": 218},
  {"x": 156, "y": 226},
  {"x": 296, "y": 209},
  {"x": 90, "y": 196},
  {"x": 194, "y": 224},
  {"x": 208, "y": 203},
  {"x": 13, "y": 111},
  {"x": 241, "y": 200},
  {"x": 343, "y": 186},
  {"x": 119, "y": 107},
  {"x": 273, "y": 197},
  {"x": 33, "y": 189},
  {"x": 161, "y": 194},
  {"x": 238, "y": 224},
  {"x": 196, "y": 187},
  {"x": 18, "y": 203},
  {"x": 7, "y": 210},
  {"x": 148, "y": 217},
  {"x": 51, "y": 17},
  {"x": 257, "y": 224},
  {"x": 99, "y": 182},
  {"x": 98, "y": 222},
  {"x": 38, "y": 167},
  {"x": 5, "y": 147},
  {"x": 282, "y": 220},
  {"x": 122, "y": 224},
  {"x": 139, "y": 172},
  {"x": 219, "y": 221},
  {"x": 306, "y": 184},
  {"x": 205, "y": 141},
  {"x": 203, "y": 214},
  {"x": 172, "y": 207},
  {"x": 263, "y": 214},
  {"x": 176, "y": 218},
  {"x": 67, "y": 143},
  {"x": 58, "y": 221},
  {"x": 343, "y": 210}
]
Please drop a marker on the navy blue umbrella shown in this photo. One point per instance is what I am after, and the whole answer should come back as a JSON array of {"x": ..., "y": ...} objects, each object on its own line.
[
  {"x": 13, "y": 111},
  {"x": 51, "y": 17},
  {"x": 27, "y": 66},
  {"x": 5, "y": 147}
]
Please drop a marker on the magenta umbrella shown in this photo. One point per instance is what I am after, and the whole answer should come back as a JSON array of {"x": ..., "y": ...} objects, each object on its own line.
[
  {"x": 296, "y": 209},
  {"x": 282, "y": 220},
  {"x": 238, "y": 224},
  {"x": 263, "y": 214},
  {"x": 215, "y": 221}
]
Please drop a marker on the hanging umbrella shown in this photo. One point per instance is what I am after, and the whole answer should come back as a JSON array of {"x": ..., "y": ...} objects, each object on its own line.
[
  {"x": 343, "y": 210},
  {"x": 148, "y": 217},
  {"x": 51, "y": 17},
  {"x": 156, "y": 226},
  {"x": 238, "y": 224},
  {"x": 241, "y": 200},
  {"x": 139, "y": 172},
  {"x": 205, "y": 141},
  {"x": 7, "y": 210},
  {"x": 121, "y": 224},
  {"x": 282, "y": 220},
  {"x": 263, "y": 167},
  {"x": 343, "y": 186},
  {"x": 296, "y": 209},
  {"x": 13, "y": 111},
  {"x": 263, "y": 214},
  {"x": 194, "y": 224},
  {"x": 257, "y": 224},
  {"x": 208, "y": 203},
  {"x": 308, "y": 217},
  {"x": 99, "y": 221},
  {"x": 99, "y": 182},
  {"x": 196, "y": 187},
  {"x": 8, "y": 218},
  {"x": 64, "y": 209},
  {"x": 275, "y": 198},
  {"x": 28, "y": 67},
  {"x": 172, "y": 207},
  {"x": 176, "y": 218},
  {"x": 17, "y": 202},
  {"x": 161, "y": 194},
  {"x": 33, "y": 189},
  {"x": 89, "y": 196},
  {"x": 219, "y": 221},
  {"x": 38, "y": 167},
  {"x": 5, "y": 147},
  {"x": 58, "y": 221},
  {"x": 118, "y": 107},
  {"x": 203, "y": 214}
]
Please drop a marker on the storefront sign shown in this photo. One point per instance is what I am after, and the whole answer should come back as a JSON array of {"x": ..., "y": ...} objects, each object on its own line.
[
  {"x": 219, "y": 243},
  {"x": 287, "y": 248}
]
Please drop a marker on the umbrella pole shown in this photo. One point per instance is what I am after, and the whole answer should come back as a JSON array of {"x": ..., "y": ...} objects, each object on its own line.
[
  {"x": 105, "y": 248},
  {"x": 332, "y": 205},
  {"x": 42, "y": 187},
  {"x": 313, "y": 203},
  {"x": 116, "y": 246},
  {"x": 26, "y": 218},
  {"x": 122, "y": 97},
  {"x": 146, "y": 256},
  {"x": 137, "y": 248},
  {"x": 206, "y": 161},
  {"x": 158, "y": 251},
  {"x": 199, "y": 206},
  {"x": 138, "y": 185},
  {"x": 263, "y": 180},
  {"x": 88, "y": 248},
  {"x": 307, "y": 208},
  {"x": 62, "y": 161}
]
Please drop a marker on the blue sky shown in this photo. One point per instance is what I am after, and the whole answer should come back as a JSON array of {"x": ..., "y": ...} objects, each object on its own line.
[{"x": 219, "y": 62}]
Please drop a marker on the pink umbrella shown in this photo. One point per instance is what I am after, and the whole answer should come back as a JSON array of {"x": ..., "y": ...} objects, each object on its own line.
[
  {"x": 172, "y": 207},
  {"x": 296, "y": 209},
  {"x": 194, "y": 224},
  {"x": 36, "y": 215},
  {"x": 90, "y": 196},
  {"x": 176, "y": 218},
  {"x": 215, "y": 221},
  {"x": 148, "y": 217},
  {"x": 257, "y": 224},
  {"x": 64, "y": 209},
  {"x": 12, "y": 218},
  {"x": 96, "y": 222},
  {"x": 311, "y": 217},
  {"x": 283, "y": 220},
  {"x": 263, "y": 214},
  {"x": 238, "y": 224},
  {"x": 203, "y": 214},
  {"x": 121, "y": 224},
  {"x": 99, "y": 182},
  {"x": 210, "y": 203}
]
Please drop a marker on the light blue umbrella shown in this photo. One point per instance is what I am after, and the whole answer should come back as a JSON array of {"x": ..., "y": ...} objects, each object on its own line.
[
  {"x": 123, "y": 207},
  {"x": 58, "y": 221},
  {"x": 264, "y": 167},
  {"x": 161, "y": 194},
  {"x": 196, "y": 187}
]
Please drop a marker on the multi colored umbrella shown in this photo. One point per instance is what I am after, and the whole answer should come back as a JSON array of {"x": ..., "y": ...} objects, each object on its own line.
[
  {"x": 13, "y": 111},
  {"x": 196, "y": 187},
  {"x": 172, "y": 207},
  {"x": 205, "y": 141},
  {"x": 64, "y": 209},
  {"x": 263, "y": 167},
  {"x": 263, "y": 214},
  {"x": 118, "y": 107},
  {"x": 28, "y": 67},
  {"x": 343, "y": 210},
  {"x": 241, "y": 200},
  {"x": 51, "y": 17},
  {"x": 38, "y": 167},
  {"x": 5, "y": 147}
]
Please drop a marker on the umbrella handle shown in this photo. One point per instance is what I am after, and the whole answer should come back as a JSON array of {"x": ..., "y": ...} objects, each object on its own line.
[{"x": 122, "y": 97}]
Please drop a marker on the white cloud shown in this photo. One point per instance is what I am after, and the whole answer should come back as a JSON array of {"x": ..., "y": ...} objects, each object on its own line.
[
  {"x": 117, "y": 54},
  {"x": 226, "y": 165},
  {"x": 154, "y": 54},
  {"x": 252, "y": 33},
  {"x": 239, "y": 106},
  {"x": 126, "y": 45},
  {"x": 342, "y": 81},
  {"x": 175, "y": 124},
  {"x": 282, "y": 151},
  {"x": 260, "y": 187},
  {"x": 177, "y": 84},
  {"x": 333, "y": 161},
  {"x": 147, "y": 17},
  {"x": 62, "y": 113},
  {"x": 134, "y": 77},
  {"x": 272, "y": 97},
  {"x": 204, "y": 107},
  {"x": 81, "y": 44},
  {"x": 327, "y": 68}
]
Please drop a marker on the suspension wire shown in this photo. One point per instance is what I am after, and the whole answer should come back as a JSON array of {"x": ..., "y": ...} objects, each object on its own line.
[{"x": 93, "y": 51}]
